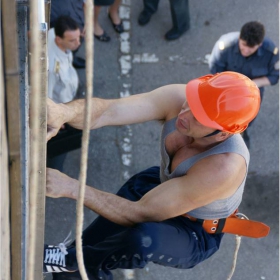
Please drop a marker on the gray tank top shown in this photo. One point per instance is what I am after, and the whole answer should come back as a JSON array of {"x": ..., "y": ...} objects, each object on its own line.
[{"x": 220, "y": 208}]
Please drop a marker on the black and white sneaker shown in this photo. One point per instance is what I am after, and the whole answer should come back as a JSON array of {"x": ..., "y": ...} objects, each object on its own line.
[{"x": 54, "y": 258}]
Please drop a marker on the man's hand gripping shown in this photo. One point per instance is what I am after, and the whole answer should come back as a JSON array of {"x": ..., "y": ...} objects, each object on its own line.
[
  {"x": 60, "y": 185},
  {"x": 55, "y": 118}
]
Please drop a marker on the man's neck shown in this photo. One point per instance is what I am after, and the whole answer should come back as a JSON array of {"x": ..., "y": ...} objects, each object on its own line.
[
  {"x": 206, "y": 142},
  {"x": 59, "y": 45},
  {"x": 203, "y": 143}
]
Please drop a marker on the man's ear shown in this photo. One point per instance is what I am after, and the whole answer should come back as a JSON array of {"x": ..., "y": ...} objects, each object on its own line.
[
  {"x": 58, "y": 40},
  {"x": 223, "y": 135}
]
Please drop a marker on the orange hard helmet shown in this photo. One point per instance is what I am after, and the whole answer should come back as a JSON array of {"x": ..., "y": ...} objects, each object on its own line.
[{"x": 226, "y": 101}]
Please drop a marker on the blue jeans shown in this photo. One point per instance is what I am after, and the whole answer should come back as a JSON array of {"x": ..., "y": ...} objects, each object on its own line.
[{"x": 176, "y": 242}]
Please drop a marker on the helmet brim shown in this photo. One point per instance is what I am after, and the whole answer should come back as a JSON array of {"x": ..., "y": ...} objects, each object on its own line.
[{"x": 192, "y": 95}]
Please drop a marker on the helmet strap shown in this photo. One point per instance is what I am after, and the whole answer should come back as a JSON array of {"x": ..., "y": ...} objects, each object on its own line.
[{"x": 213, "y": 133}]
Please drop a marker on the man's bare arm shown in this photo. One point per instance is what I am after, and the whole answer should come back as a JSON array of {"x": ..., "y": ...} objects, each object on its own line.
[
  {"x": 155, "y": 105},
  {"x": 208, "y": 180}
]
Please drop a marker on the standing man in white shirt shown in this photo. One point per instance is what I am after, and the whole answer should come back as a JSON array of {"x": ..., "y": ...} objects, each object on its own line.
[
  {"x": 63, "y": 79},
  {"x": 62, "y": 83}
]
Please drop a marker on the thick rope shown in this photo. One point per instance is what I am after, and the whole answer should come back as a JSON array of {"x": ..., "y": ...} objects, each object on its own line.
[
  {"x": 35, "y": 46},
  {"x": 238, "y": 242},
  {"x": 85, "y": 139}
]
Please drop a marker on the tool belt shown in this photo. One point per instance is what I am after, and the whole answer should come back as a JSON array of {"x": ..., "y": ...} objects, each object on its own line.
[{"x": 234, "y": 225}]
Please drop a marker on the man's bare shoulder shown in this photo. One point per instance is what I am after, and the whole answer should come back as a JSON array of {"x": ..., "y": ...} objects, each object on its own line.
[
  {"x": 221, "y": 172},
  {"x": 226, "y": 164}
]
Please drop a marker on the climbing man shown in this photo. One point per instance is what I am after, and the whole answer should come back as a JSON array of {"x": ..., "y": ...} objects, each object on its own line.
[{"x": 163, "y": 214}]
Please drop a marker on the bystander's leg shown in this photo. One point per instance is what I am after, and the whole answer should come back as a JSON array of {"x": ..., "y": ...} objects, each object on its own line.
[
  {"x": 150, "y": 7},
  {"x": 180, "y": 18}
]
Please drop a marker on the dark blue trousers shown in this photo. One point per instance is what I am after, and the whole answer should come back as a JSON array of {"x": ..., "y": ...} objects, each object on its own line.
[
  {"x": 176, "y": 242},
  {"x": 179, "y": 12}
]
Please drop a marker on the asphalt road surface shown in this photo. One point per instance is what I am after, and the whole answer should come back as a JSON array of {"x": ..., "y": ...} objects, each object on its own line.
[{"x": 142, "y": 60}]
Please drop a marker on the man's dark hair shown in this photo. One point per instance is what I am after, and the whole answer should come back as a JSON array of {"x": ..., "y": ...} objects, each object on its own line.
[
  {"x": 252, "y": 33},
  {"x": 64, "y": 23}
]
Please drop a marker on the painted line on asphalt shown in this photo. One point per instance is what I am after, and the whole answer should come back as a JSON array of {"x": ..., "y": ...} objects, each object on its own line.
[{"x": 126, "y": 67}]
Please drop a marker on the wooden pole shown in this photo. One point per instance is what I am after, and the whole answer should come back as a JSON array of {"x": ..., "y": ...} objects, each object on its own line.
[
  {"x": 41, "y": 185},
  {"x": 38, "y": 83},
  {"x": 22, "y": 27},
  {"x": 5, "y": 267},
  {"x": 10, "y": 51},
  {"x": 37, "y": 148}
]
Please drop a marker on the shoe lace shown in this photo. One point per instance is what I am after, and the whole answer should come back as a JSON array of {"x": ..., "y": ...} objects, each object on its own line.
[
  {"x": 57, "y": 255},
  {"x": 63, "y": 248},
  {"x": 66, "y": 242}
]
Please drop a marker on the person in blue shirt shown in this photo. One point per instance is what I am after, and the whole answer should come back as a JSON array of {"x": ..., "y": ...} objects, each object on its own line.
[{"x": 250, "y": 53}]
